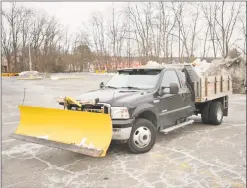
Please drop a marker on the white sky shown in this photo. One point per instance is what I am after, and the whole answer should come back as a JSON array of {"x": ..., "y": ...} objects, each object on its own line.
[
  {"x": 74, "y": 14},
  {"x": 71, "y": 14}
]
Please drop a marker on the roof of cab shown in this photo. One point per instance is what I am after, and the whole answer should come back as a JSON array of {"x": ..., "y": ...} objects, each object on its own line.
[
  {"x": 160, "y": 67},
  {"x": 142, "y": 67}
]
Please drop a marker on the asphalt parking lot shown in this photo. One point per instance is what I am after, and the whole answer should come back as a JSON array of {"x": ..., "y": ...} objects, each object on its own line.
[{"x": 195, "y": 156}]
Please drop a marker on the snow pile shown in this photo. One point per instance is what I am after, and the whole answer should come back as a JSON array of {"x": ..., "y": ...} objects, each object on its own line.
[
  {"x": 153, "y": 64},
  {"x": 236, "y": 67},
  {"x": 234, "y": 64},
  {"x": 27, "y": 73},
  {"x": 201, "y": 66},
  {"x": 30, "y": 75},
  {"x": 54, "y": 78}
]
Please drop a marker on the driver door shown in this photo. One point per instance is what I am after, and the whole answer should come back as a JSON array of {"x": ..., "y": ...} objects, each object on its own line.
[{"x": 171, "y": 106}]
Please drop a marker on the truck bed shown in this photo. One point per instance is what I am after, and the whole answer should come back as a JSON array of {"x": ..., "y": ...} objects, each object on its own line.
[{"x": 207, "y": 88}]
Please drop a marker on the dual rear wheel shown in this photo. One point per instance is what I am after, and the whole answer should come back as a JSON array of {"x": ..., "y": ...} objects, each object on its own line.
[{"x": 212, "y": 113}]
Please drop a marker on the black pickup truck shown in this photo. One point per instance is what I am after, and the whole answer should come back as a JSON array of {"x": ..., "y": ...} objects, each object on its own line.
[{"x": 149, "y": 99}]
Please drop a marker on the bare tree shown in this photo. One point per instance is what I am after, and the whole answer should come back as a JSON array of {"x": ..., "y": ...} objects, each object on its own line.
[
  {"x": 14, "y": 18},
  {"x": 117, "y": 33},
  {"x": 226, "y": 26},
  {"x": 243, "y": 31},
  {"x": 194, "y": 29},
  {"x": 167, "y": 25},
  {"x": 82, "y": 51},
  {"x": 178, "y": 12},
  {"x": 141, "y": 22},
  {"x": 25, "y": 33},
  {"x": 38, "y": 28},
  {"x": 99, "y": 37},
  {"x": 205, "y": 49},
  {"x": 148, "y": 31},
  {"x": 208, "y": 11},
  {"x": 6, "y": 45},
  {"x": 51, "y": 37}
]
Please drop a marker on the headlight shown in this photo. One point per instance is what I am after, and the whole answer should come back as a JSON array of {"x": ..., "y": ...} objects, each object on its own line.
[{"x": 119, "y": 113}]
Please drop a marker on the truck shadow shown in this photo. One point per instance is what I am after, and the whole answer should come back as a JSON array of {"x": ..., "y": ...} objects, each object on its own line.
[
  {"x": 182, "y": 132},
  {"x": 166, "y": 139}
]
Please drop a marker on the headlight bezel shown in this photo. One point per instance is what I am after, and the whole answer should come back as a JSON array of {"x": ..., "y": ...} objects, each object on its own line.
[{"x": 119, "y": 112}]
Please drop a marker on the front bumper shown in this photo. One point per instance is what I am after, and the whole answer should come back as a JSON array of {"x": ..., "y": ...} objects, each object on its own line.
[{"x": 121, "y": 129}]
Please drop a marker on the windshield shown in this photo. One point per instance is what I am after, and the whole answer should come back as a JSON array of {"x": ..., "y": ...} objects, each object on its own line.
[{"x": 135, "y": 79}]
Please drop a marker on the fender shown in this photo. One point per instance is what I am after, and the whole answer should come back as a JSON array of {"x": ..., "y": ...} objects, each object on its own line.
[{"x": 146, "y": 107}]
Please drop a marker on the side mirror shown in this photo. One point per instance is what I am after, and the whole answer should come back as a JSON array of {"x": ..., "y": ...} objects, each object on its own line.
[
  {"x": 161, "y": 91},
  {"x": 101, "y": 85},
  {"x": 174, "y": 89}
]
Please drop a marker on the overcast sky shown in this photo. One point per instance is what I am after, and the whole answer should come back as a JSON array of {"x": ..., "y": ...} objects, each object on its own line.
[
  {"x": 71, "y": 14},
  {"x": 74, "y": 14}
]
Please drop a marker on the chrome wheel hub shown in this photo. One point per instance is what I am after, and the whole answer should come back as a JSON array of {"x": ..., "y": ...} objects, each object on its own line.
[{"x": 142, "y": 137}]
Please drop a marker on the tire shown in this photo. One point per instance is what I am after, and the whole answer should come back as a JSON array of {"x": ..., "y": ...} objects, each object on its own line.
[
  {"x": 141, "y": 144},
  {"x": 205, "y": 114},
  {"x": 216, "y": 113}
]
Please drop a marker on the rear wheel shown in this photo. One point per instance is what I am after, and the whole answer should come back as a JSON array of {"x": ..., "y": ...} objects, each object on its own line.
[
  {"x": 205, "y": 114},
  {"x": 216, "y": 113},
  {"x": 142, "y": 137}
]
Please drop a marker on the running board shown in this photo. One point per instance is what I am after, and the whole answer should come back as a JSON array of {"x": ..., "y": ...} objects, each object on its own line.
[{"x": 167, "y": 130}]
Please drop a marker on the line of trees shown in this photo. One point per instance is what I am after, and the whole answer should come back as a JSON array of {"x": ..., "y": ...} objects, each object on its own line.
[{"x": 156, "y": 31}]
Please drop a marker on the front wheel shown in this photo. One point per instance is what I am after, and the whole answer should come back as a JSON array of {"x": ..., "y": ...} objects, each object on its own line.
[{"x": 142, "y": 137}]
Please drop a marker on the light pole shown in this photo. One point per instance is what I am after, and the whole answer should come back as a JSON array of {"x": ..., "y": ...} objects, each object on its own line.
[{"x": 30, "y": 60}]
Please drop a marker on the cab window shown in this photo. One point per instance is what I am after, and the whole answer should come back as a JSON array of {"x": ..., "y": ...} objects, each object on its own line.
[
  {"x": 183, "y": 79},
  {"x": 170, "y": 76}
]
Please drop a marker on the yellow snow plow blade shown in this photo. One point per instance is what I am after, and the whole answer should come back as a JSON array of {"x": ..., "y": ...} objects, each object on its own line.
[{"x": 82, "y": 132}]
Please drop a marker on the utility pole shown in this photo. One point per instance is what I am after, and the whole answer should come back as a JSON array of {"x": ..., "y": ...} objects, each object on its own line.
[
  {"x": 179, "y": 50},
  {"x": 30, "y": 60},
  {"x": 128, "y": 37}
]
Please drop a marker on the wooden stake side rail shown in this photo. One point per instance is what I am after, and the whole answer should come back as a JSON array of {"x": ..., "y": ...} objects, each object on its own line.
[{"x": 212, "y": 87}]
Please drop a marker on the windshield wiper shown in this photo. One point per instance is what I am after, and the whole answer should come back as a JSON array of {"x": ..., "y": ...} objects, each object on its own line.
[
  {"x": 111, "y": 87},
  {"x": 130, "y": 87}
]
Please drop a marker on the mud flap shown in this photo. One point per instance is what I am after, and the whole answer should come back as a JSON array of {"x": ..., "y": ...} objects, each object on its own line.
[{"x": 81, "y": 132}]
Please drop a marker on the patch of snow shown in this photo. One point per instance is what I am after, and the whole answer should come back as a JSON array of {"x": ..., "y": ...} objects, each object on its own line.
[
  {"x": 54, "y": 78},
  {"x": 201, "y": 66},
  {"x": 29, "y": 73},
  {"x": 82, "y": 143},
  {"x": 43, "y": 137},
  {"x": 90, "y": 146}
]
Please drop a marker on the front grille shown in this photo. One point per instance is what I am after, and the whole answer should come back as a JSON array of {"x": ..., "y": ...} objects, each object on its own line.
[
  {"x": 98, "y": 108},
  {"x": 94, "y": 110}
]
